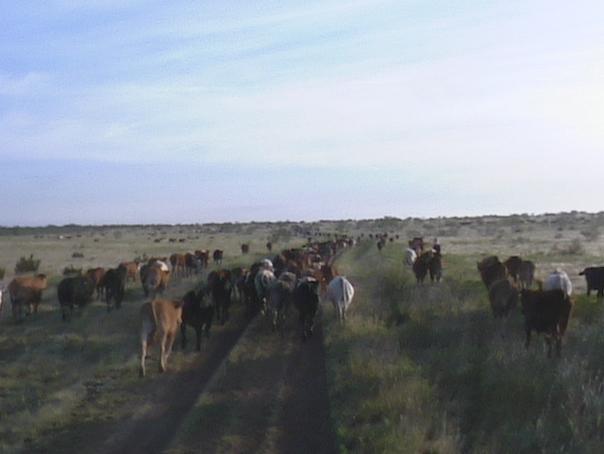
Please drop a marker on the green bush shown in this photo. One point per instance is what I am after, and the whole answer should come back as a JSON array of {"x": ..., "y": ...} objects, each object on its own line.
[{"x": 25, "y": 265}]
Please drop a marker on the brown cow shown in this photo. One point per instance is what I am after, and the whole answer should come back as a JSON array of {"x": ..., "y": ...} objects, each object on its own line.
[
  {"x": 327, "y": 273},
  {"x": 155, "y": 279},
  {"x": 26, "y": 290},
  {"x": 160, "y": 320},
  {"x": 131, "y": 270},
  {"x": 204, "y": 256},
  {"x": 546, "y": 311},
  {"x": 245, "y": 248},
  {"x": 96, "y": 276},
  {"x": 179, "y": 264}
]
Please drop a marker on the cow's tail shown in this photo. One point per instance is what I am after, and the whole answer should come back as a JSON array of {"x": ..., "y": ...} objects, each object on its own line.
[{"x": 582, "y": 273}]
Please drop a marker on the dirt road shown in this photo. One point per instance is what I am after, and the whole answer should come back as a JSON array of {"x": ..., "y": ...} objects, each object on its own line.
[{"x": 250, "y": 390}]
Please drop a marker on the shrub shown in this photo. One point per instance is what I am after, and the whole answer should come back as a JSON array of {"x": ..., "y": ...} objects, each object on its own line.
[
  {"x": 25, "y": 265},
  {"x": 77, "y": 255},
  {"x": 591, "y": 232},
  {"x": 574, "y": 248}
]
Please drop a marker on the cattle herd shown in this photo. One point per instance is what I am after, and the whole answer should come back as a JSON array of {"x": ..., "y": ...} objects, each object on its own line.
[
  {"x": 295, "y": 277},
  {"x": 546, "y": 309}
]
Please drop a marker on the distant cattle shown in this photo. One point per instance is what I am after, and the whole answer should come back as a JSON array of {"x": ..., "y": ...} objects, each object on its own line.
[
  {"x": 269, "y": 246},
  {"x": 491, "y": 270},
  {"x": 428, "y": 262},
  {"x": 196, "y": 315},
  {"x": 306, "y": 301},
  {"x": 96, "y": 275},
  {"x": 280, "y": 294},
  {"x": 114, "y": 284},
  {"x": 219, "y": 287},
  {"x": 26, "y": 291},
  {"x": 74, "y": 291},
  {"x": 340, "y": 292},
  {"x": 526, "y": 273},
  {"x": 512, "y": 265},
  {"x": 262, "y": 282},
  {"x": 159, "y": 321},
  {"x": 245, "y": 248},
  {"x": 248, "y": 289},
  {"x": 217, "y": 256},
  {"x": 594, "y": 277},
  {"x": 558, "y": 280},
  {"x": 380, "y": 245},
  {"x": 546, "y": 311}
]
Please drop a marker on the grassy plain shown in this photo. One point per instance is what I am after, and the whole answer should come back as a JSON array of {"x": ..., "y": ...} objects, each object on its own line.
[
  {"x": 428, "y": 369},
  {"x": 415, "y": 369}
]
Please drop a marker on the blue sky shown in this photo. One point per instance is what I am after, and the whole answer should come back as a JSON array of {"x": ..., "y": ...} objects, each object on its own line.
[{"x": 132, "y": 111}]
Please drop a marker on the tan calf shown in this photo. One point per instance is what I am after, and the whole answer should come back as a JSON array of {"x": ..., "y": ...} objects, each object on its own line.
[{"x": 160, "y": 320}]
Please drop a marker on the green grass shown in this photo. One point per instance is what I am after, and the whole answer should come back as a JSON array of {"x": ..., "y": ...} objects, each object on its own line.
[
  {"x": 57, "y": 376},
  {"x": 428, "y": 369}
]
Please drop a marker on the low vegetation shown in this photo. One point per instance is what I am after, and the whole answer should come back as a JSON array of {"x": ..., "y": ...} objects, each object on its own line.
[
  {"x": 27, "y": 264},
  {"x": 428, "y": 369}
]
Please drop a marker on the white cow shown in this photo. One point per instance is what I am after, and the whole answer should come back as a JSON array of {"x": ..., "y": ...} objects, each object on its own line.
[
  {"x": 340, "y": 292},
  {"x": 410, "y": 256},
  {"x": 558, "y": 280},
  {"x": 263, "y": 282}
]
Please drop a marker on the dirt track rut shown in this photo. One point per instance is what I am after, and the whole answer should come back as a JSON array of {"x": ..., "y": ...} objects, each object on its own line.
[{"x": 250, "y": 390}]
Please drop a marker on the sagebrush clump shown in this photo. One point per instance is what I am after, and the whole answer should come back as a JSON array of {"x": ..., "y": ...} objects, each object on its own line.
[{"x": 25, "y": 265}]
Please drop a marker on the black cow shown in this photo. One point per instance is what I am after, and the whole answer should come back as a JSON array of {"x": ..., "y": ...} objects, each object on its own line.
[
  {"x": 435, "y": 267},
  {"x": 74, "y": 291},
  {"x": 217, "y": 256},
  {"x": 428, "y": 262},
  {"x": 196, "y": 315},
  {"x": 546, "y": 311},
  {"x": 512, "y": 264},
  {"x": 306, "y": 300},
  {"x": 491, "y": 270},
  {"x": 114, "y": 282},
  {"x": 594, "y": 276},
  {"x": 219, "y": 287}
]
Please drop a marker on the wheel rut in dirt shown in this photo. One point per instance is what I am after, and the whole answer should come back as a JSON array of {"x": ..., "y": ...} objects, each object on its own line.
[{"x": 270, "y": 397}]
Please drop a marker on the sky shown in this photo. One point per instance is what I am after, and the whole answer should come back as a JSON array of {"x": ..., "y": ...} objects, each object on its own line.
[{"x": 137, "y": 111}]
